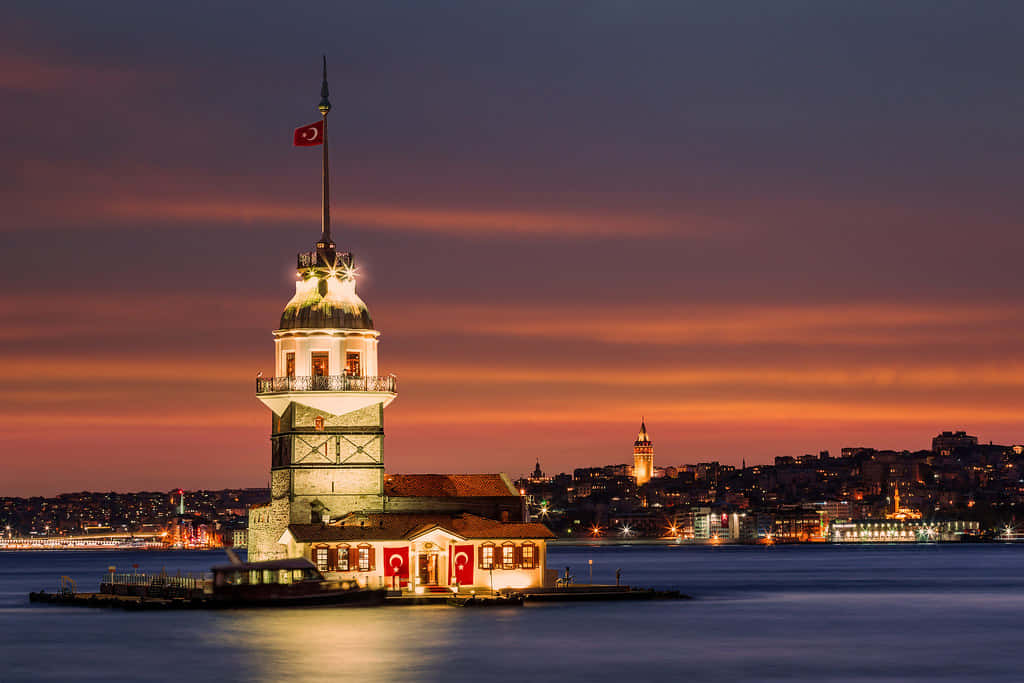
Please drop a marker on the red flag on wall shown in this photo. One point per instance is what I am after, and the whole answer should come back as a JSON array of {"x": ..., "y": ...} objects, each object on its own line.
[
  {"x": 310, "y": 135},
  {"x": 462, "y": 564},
  {"x": 396, "y": 562}
]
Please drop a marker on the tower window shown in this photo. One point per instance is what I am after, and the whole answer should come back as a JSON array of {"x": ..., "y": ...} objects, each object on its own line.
[
  {"x": 352, "y": 365},
  {"x": 289, "y": 364},
  {"x": 320, "y": 366}
]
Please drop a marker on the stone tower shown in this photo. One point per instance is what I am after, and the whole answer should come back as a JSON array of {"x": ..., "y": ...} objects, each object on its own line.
[
  {"x": 327, "y": 395},
  {"x": 643, "y": 457},
  {"x": 327, "y": 398}
]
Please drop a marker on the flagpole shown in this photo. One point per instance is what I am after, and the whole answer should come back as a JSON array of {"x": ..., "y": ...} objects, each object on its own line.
[{"x": 325, "y": 107}]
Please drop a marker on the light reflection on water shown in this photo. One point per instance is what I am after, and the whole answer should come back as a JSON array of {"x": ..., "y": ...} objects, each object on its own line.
[{"x": 813, "y": 614}]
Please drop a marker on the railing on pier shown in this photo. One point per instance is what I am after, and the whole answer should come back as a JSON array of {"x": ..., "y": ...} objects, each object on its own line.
[
  {"x": 160, "y": 585},
  {"x": 276, "y": 385}
]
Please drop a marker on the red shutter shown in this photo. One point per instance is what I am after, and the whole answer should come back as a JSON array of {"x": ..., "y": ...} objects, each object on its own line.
[
  {"x": 372, "y": 565},
  {"x": 332, "y": 559},
  {"x": 353, "y": 559},
  {"x": 518, "y": 555},
  {"x": 480, "y": 557}
]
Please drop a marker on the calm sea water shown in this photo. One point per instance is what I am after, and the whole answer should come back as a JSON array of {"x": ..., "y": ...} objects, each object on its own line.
[{"x": 864, "y": 613}]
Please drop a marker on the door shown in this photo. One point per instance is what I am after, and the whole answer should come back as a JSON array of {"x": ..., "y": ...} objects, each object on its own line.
[
  {"x": 319, "y": 364},
  {"x": 428, "y": 569}
]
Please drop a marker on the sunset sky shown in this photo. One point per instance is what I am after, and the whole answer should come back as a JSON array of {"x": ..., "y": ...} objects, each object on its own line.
[{"x": 771, "y": 228}]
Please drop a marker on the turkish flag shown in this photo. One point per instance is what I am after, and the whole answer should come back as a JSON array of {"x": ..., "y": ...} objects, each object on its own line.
[
  {"x": 396, "y": 562},
  {"x": 462, "y": 564},
  {"x": 310, "y": 135}
]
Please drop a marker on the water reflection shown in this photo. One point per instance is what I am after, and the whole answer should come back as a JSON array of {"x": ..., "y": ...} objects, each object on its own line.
[
  {"x": 803, "y": 614},
  {"x": 366, "y": 644}
]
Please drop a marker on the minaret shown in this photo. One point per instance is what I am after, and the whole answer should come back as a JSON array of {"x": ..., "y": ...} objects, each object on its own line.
[
  {"x": 896, "y": 500},
  {"x": 327, "y": 396},
  {"x": 643, "y": 456}
]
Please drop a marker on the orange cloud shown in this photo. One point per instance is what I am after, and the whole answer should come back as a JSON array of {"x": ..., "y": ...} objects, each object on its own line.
[{"x": 461, "y": 221}]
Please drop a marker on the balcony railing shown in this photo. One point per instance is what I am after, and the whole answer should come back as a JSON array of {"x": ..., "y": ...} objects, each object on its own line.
[{"x": 276, "y": 385}]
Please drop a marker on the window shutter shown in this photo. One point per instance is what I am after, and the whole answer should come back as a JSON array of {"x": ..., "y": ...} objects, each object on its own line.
[
  {"x": 480, "y": 557},
  {"x": 518, "y": 556},
  {"x": 372, "y": 565},
  {"x": 332, "y": 559},
  {"x": 353, "y": 559}
]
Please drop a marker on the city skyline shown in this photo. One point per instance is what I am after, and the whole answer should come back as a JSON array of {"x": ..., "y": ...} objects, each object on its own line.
[{"x": 764, "y": 247}]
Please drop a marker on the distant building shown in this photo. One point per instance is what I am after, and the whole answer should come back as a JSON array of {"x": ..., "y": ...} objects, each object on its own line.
[
  {"x": 643, "y": 457},
  {"x": 901, "y": 530},
  {"x": 946, "y": 442}
]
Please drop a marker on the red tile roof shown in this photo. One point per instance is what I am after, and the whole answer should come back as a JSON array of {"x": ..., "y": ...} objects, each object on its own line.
[
  {"x": 388, "y": 527},
  {"x": 449, "y": 485}
]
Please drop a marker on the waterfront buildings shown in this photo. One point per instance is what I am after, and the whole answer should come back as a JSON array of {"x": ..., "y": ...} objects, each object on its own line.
[
  {"x": 902, "y": 530},
  {"x": 960, "y": 489}
]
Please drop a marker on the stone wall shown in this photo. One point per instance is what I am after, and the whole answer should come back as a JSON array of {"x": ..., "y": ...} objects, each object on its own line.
[{"x": 268, "y": 523}]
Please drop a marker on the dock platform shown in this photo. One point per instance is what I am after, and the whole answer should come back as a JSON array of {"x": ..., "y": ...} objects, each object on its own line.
[{"x": 507, "y": 598}]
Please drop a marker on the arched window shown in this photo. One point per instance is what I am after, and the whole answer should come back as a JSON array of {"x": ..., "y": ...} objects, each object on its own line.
[
  {"x": 528, "y": 555},
  {"x": 508, "y": 555},
  {"x": 365, "y": 557},
  {"x": 343, "y": 558},
  {"x": 320, "y": 556},
  {"x": 487, "y": 556}
]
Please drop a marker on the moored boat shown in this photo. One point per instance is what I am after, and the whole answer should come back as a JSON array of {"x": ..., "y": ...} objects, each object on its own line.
[{"x": 284, "y": 583}]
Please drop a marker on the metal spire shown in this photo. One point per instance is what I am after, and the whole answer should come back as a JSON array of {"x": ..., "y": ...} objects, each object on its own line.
[{"x": 325, "y": 243}]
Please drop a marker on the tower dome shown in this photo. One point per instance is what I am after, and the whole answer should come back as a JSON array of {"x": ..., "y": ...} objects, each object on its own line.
[
  {"x": 325, "y": 295},
  {"x": 328, "y": 302}
]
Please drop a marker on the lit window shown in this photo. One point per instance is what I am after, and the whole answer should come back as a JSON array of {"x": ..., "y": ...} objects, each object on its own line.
[
  {"x": 487, "y": 557},
  {"x": 352, "y": 365},
  {"x": 289, "y": 364},
  {"x": 529, "y": 556},
  {"x": 508, "y": 556},
  {"x": 321, "y": 559},
  {"x": 343, "y": 558},
  {"x": 320, "y": 366},
  {"x": 364, "y": 559}
]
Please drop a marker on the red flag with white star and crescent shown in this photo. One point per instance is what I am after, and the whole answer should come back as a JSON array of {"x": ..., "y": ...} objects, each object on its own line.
[
  {"x": 310, "y": 135},
  {"x": 396, "y": 562},
  {"x": 462, "y": 564}
]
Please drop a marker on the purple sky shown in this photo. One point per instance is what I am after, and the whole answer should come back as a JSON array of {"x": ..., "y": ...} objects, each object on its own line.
[{"x": 770, "y": 227}]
